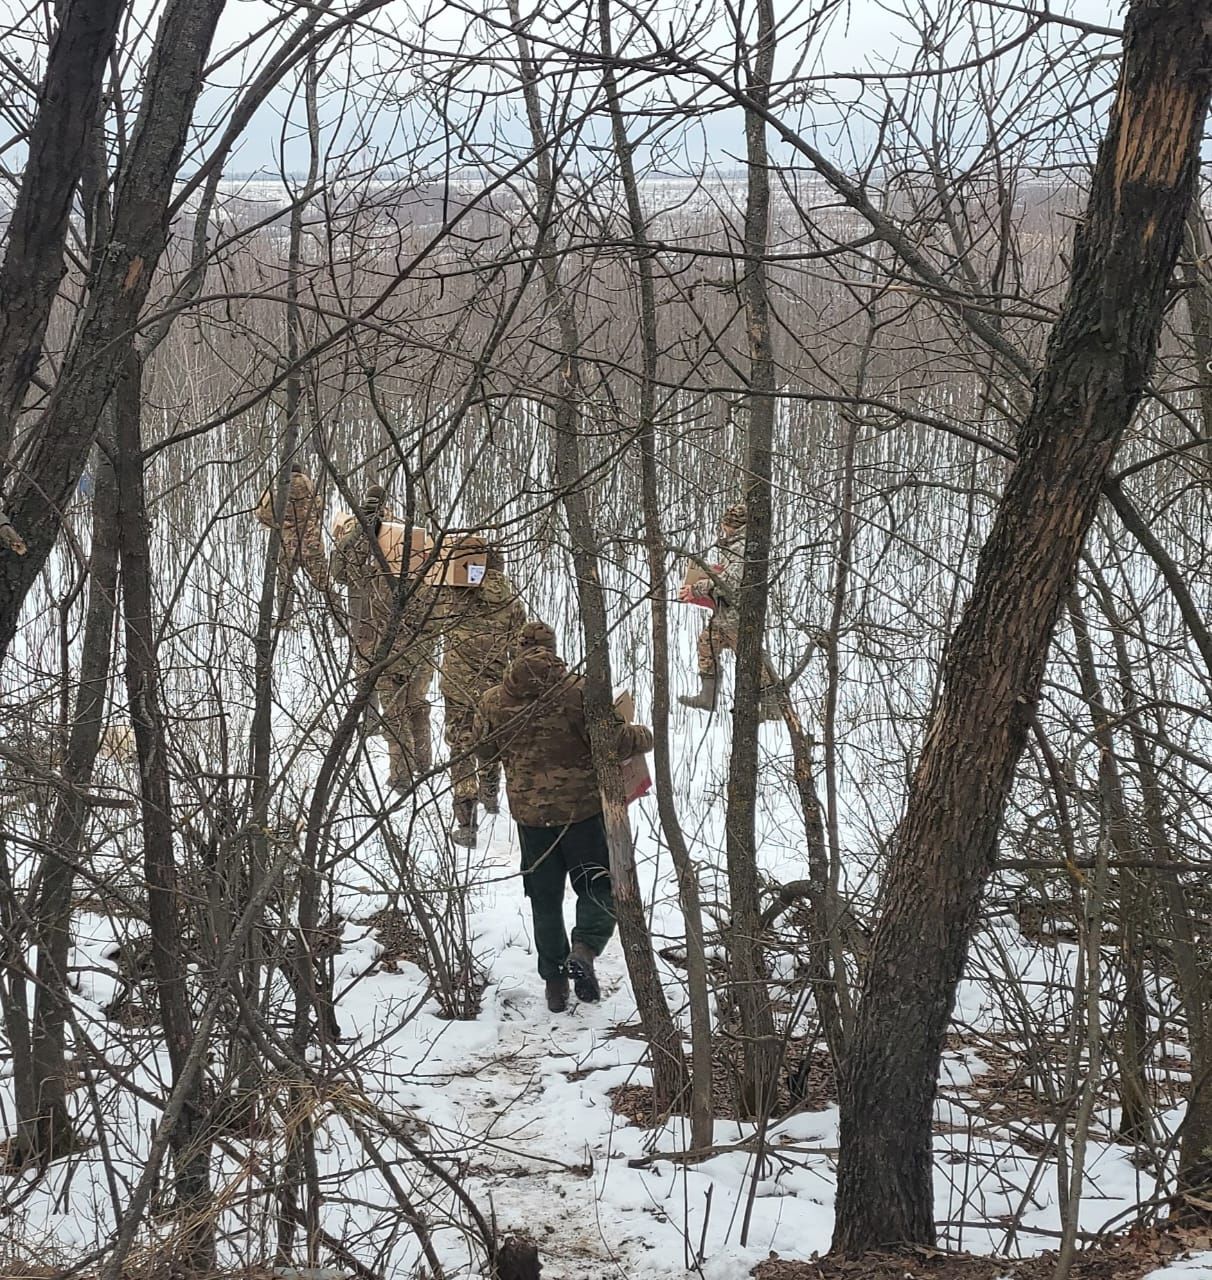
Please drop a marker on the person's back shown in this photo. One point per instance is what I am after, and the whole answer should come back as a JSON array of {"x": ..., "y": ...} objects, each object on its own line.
[
  {"x": 479, "y": 626},
  {"x": 534, "y": 723},
  {"x": 375, "y": 586},
  {"x": 722, "y": 632},
  {"x": 536, "y": 719}
]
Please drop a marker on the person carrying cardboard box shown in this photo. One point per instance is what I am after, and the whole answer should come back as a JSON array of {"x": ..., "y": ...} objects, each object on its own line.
[
  {"x": 369, "y": 558},
  {"x": 533, "y": 722},
  {"x": 722, "y": 593},
  {"x": 480, "y": 617}
]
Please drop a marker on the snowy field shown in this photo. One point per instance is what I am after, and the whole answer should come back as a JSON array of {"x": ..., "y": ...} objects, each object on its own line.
[{"x": 516, "y": 1103}]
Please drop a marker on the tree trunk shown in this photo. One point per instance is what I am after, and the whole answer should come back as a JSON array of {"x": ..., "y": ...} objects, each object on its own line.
[
  {"x": 702, "y": 1109},
  {"x": 301, "y": 1138},
  {"x": 664, "y": 1039},
  {"x": 1134, "y": 1123},
  {"x": 51, "y": 464},
  {"x": 1191, "y": 966},
  {"x": 1099, "y": 358},
  {"x": 762, "y": 1049},
  {"x": 57, "y": 153},
  {"x": 47, "y": 1133},
  {"x": 191, "y": 1149}
]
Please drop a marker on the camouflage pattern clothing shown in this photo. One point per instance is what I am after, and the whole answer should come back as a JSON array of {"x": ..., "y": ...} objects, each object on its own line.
[
  {"x": 302, "y": 536},
  {"x": 480, "y": 627},
  {"x": 403, "y": 684},
  {"x": 715, "y": 638},
  {"x": 534, "y": 723},
  {"x": 720, "y": 633}
]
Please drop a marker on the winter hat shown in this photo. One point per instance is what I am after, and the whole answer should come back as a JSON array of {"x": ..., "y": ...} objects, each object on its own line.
[
  {"x": 533, "y": 672},
  {"x": 375, "y": 498},
  {"x": 537, "y": 635}
]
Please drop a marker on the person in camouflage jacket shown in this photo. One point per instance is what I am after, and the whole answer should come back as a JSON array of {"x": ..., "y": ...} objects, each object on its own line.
[
  {"x": 534, "y": 723},
  {"x": 302, "y": 537},
  {"x": 402, "y": 685},
  {"x": 723, "y": 622},
  {"x": 480, "y": 627}
]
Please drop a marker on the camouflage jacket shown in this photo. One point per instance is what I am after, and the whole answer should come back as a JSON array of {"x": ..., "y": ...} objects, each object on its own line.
[
  {"x": 479, "y": 627},
  {"x": 534, "y": 723},
  {"x": 726, "y": 595},
  {"x": 302, "y": 537},
  {"x": 372, "y": 590}
]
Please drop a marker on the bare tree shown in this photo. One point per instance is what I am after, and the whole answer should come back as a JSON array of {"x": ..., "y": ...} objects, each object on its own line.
[
  {"x": 52, "y": 455},
  {"x": 1098, "y": 362}
]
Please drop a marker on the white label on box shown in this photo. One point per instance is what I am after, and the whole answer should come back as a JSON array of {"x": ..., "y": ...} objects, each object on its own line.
[{"x": 475, "y": 574}]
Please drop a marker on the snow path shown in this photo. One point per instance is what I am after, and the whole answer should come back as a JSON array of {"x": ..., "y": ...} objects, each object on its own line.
[
  {"x": 526, "y": 1090},
  {"x": 515, "y": 1102}
]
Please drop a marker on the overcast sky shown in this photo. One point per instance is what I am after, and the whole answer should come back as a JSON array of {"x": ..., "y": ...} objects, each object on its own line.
[
  {"x": 871, "y": 34},
  {"x": 868, "y": 34}
]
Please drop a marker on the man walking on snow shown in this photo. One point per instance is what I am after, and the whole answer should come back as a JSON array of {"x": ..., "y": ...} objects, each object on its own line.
[
  {"x": 534, "y": 723},
  {"x": 376, "y": 609},
  {"x": 480, "y": 626}
]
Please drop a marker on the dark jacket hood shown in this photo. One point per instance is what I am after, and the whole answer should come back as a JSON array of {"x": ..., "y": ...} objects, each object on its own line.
[{"x": 533, "y": 673}]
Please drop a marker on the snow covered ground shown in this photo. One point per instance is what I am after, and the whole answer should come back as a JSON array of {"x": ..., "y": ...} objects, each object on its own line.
[{"x": 515, "y": 1103}]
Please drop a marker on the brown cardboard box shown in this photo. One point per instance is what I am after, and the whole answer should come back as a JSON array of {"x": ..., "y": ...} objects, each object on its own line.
[
  {"x": 459, "y": 567},
  {"x": 392, "y": 537},
  {"x": 637, "y": 781},
  {"x": 694, "y": 573}
]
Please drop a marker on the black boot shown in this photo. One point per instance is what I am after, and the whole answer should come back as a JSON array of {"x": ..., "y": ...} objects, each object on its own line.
[
  {"x": 557, "y": 993},
  {"x": 584, "y": 980},
  {"x": 704, "y": 700},
  {"x": 464, "y": 830}
]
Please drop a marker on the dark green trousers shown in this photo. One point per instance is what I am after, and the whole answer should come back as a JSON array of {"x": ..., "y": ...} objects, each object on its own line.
[{"x": 550, "y": 857}]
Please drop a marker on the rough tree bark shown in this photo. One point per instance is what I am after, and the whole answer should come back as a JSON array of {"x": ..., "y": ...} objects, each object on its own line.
[
  {"x": 762, "y": 1048},
  {"x": 50, "y": 462},
  {"x": 1098, "y": 361},
  {"x": 37, "y": 230}
]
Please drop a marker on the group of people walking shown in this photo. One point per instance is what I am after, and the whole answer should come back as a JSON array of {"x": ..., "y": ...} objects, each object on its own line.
[{"x": 510, "y": 701}]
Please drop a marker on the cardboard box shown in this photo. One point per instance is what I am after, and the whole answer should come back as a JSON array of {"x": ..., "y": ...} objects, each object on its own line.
[
  {"x": 694, "y": 573},
  {"x": 392, "y": 538},
  {"x": 459, "y": 567},
  {"x": 637, "y": 781}
]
